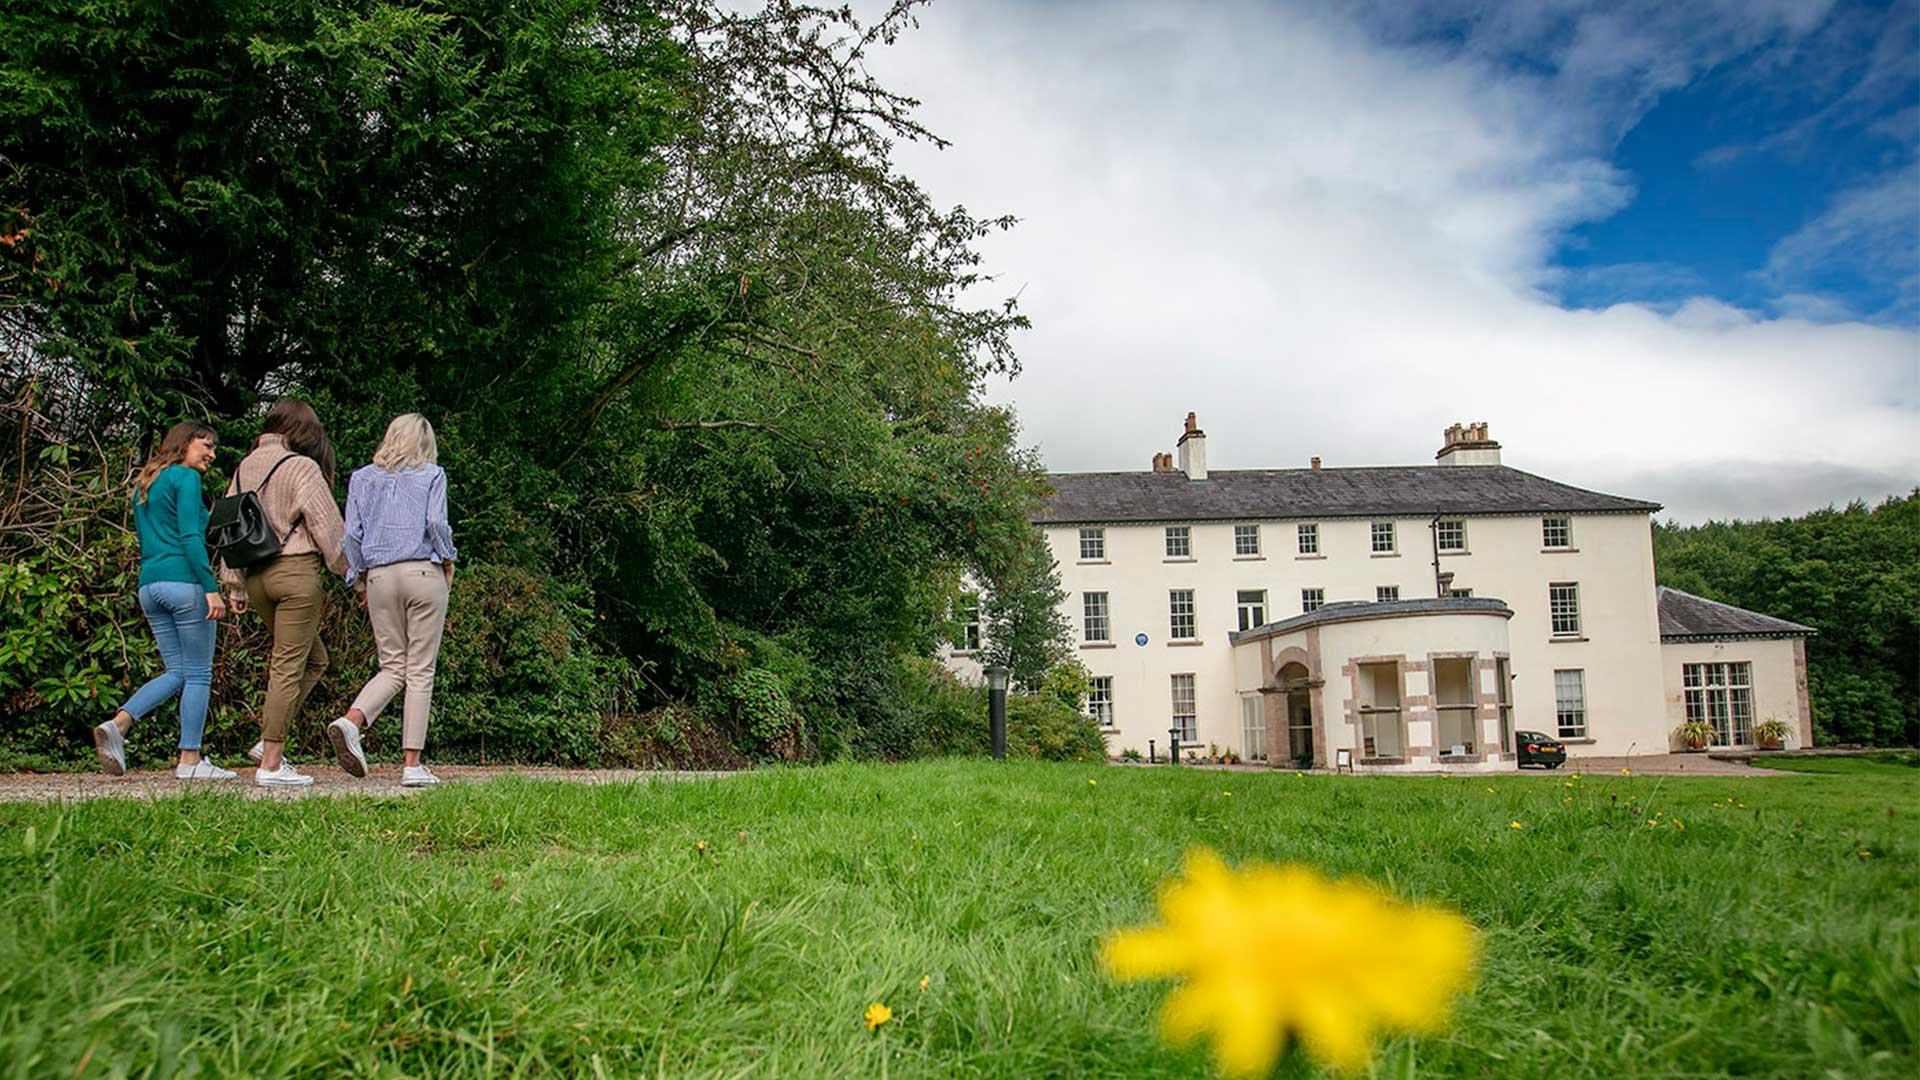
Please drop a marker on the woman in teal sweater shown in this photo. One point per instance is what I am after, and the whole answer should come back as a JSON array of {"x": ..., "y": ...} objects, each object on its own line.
[{"x": 178, "y": 595}]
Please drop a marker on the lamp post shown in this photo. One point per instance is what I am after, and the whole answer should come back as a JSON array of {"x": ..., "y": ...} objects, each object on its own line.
[
  {"x": 1173, "y": 746},
  {"x": 997, "y": 709}
]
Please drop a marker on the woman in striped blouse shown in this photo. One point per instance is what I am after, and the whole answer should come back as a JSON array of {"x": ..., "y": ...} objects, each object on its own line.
[{"x": 400, "y": 557}]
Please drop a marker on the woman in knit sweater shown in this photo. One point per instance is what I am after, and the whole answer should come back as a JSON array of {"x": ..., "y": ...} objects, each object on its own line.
[
  {"x": 179, "y": 597},
  {"x": 288, "y": 589}
]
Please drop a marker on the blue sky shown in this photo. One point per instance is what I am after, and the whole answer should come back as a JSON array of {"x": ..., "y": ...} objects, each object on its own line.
[
  {"x": 1755, "y": 151},
  {"x": 1668, "y": 250}
]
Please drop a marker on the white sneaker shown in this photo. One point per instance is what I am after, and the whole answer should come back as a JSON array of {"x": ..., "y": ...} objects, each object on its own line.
[
  {"x": 345, "y": 736},
  {"x": 285, "y": 776},
  {"x": 202, "y": 770},
  {"x": 256, "y": 752},
  {"x": 417, "y": 776},
  {"x": 111, "y": 748}
]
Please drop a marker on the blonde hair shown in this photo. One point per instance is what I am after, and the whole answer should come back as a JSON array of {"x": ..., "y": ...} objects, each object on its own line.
[{"x": 409, "y": 444}]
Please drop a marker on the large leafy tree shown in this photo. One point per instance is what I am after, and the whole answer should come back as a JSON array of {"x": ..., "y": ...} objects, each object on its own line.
[{"x": 691, "y": 339}]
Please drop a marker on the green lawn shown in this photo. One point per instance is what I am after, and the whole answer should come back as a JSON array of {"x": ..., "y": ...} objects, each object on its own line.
[{"x": 520, "y": 927}]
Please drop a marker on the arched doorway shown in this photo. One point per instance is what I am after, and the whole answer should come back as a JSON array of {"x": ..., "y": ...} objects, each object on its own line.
[{"x": 1294, "y": 680}]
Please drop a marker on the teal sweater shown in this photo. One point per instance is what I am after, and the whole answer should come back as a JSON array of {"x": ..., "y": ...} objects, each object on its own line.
[{"x": 172, "y": 524}]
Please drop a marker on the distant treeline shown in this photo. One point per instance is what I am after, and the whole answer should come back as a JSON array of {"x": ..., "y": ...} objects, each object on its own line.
[{"x": 1853, "y": 575}]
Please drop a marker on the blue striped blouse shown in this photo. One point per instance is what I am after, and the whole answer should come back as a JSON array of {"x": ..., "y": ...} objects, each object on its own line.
[{"x": 396, "y": 517}]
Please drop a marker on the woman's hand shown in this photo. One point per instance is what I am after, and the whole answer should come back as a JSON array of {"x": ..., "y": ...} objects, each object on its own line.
[{"x": 216, "y": 606}]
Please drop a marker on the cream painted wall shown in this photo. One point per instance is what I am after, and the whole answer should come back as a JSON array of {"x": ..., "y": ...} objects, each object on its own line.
[
  {"x": 1776, "y": 685},
  {"x": 1612, "y": 561}
]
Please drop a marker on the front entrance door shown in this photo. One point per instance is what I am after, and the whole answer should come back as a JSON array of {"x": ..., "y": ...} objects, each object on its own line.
[{"x": 1300, "y": 728}]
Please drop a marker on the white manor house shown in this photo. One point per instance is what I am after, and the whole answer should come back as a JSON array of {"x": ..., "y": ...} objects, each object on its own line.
[{"x": 1415, "y": 616}]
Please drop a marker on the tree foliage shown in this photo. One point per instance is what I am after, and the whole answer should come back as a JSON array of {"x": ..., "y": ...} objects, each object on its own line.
[
  {"x": 1853, "y": 575},
  {"x": 695, "y": 347}
]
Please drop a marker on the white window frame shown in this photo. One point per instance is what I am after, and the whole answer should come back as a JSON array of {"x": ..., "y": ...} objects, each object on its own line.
[
  {"x": 1383, "y": 594},
  {"x": 1093, "y": 545},
  {"x": 1100, "y": 700},
  {"x": 1179, "y": 541},
  {"x": 969, "y": 617},
  {"x": 1390, "y": 535},
  {"x": 1184, "y": 713},
  {"x": 1721, "y": 694},
  {"x": 1246, "y": 541},
  {"x": 1181, "y": 615},
  {"x": 1253, "y": 728},
  {"x": 1563, "y": 608},
  {"x": 1373, "y": 713},
  {"x": 1096, "y": 616},
  {"x": 1253, "y": 612},
  {"x": 1570, "y": 702},
  {"x": 1312, "y": 600},
  {"x": 1308, "y": 538},
  {"x": 1549, "y": 526},
  {"x": 1450, "y": 535}
]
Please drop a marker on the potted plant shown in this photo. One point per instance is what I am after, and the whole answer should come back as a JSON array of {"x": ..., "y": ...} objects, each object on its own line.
[
  {"x": 1694, "y": 734},
  {"x": 1771, "y": 733}
]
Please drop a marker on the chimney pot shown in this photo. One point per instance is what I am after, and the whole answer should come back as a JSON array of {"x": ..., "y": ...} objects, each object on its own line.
[
  {"x": 1316, "y": 461},
  {"x": 1469, "y": 444},
  {"x": 1193, "y": 422}
]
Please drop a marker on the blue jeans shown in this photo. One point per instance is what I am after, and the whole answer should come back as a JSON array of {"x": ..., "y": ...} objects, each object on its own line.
[{"x": 177, "y": 611}]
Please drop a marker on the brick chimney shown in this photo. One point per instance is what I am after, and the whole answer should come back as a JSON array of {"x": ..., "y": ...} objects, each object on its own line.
[
  {"x": 1193, "y": 450},
  {"x": 1163, "y": 462},
  {"x": 1468, "y": 444}
]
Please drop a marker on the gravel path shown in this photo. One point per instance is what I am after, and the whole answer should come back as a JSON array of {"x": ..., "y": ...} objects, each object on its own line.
[{"x": 327, "y": 780}]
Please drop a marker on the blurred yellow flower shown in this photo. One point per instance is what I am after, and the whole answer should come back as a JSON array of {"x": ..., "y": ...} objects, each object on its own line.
[
  {"x": 923, "y": 981},
  {"x": 1093, "y": 783},
  {"x": 1626, "y": 772},
  {"x": 1271, "y": 953},
  {"x": 877, "y": 1014},
  {"x": 1515, "y": 825}
]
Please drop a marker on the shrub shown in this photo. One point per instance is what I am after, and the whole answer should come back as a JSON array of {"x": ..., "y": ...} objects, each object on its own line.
[{"x": 1040, "y": 726}]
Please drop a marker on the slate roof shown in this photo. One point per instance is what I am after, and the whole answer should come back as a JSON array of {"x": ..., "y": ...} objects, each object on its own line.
[
  {"x": 1251, "y": 494},
  {"x": 1347, "y": 610},
  {"x": 1686, "y": 617}
]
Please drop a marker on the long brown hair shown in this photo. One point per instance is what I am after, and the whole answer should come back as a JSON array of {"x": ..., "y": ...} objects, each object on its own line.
[
  {"x": 295, "y": 421},
  {"x": 171, "y": 451}
]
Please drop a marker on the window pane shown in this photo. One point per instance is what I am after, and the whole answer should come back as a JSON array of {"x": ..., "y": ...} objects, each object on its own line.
[
  {"x": 1093, "y": 543},
  {"x": 1563, "y": 605},
  {"x": 1556, "y": 532},
  {"x": 1382, "y": 536},
  {"x": 1246, "y": 539},
  {"x": 1100, "y": 700},
  {"x": 1179, "y": 542},
  {"x": 1183, "y": 711},
  {"x": 1180, "y": 614},
  {"x": 1570, "y": 702},
  {"x": 1094, "y": 609},
  {"x": 1452, "y": 536},
  {"x": 1312, "y": 599},
  {"x": 1309, "y": 539},
  {"x": 1384, "y": 593},
  {"x": 1252, "y": 607},
  {"x": 1253, "y": 727}
]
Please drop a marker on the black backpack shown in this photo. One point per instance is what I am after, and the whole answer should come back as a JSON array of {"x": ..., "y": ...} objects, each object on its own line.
[{"x": 237, "y": 529}]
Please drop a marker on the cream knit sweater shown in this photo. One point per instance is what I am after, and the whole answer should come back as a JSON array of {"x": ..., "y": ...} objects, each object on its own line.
[{"x": 299, "y": 494}]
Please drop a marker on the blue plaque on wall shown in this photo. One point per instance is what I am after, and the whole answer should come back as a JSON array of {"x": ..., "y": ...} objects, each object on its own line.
[{"x": 1139, "y": 639}]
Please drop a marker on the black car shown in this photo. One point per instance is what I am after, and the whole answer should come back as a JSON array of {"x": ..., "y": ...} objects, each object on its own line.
[{"x": 1533, "y": 748}]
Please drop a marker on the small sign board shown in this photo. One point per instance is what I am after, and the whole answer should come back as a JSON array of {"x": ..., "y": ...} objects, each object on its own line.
[
  {"x": 1343, "y": 759},
  {"x": 1139, "y": 639}
]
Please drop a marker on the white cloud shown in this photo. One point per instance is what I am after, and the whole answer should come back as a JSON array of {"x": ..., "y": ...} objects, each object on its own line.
[{"x": 1325, "y": 245}]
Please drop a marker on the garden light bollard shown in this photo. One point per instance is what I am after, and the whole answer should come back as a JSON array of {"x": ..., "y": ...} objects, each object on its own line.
[
  {"x": 1151, "y": 760},
  {"x": 997, "y": 709},
  {"x": 1173, "y": 746}
]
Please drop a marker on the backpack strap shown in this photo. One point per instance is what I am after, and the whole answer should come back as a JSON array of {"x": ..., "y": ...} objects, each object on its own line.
[{"x": 262, "y": 486}]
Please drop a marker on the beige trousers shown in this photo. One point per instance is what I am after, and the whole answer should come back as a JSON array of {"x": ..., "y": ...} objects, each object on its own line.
[{"x": 407, "y": 604}]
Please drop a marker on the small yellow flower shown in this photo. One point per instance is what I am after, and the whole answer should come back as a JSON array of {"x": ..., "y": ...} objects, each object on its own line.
[
  {"x": 1678, "y": 824},
  {"x": 743, "y": 836},
  {"x": 1489, "y": 791},
  {"x": 700, "y": 845},
  {"x": 1093, "y": 783},
  {"x": 877, "y": 1014},
  {"x": 1743, "y": 806},
  {"x": 1266, "y": 954},
  {"x": 1515, "y": 825},
  {"x": 1866, "y": 854},
  {"x": 1626, "y": 772},
  {"x": 1227, "y": 793},
  {"x": 1576, "y": 776},
  {"x": 1567, "y": 784},
  {"x": 1300, "y": 774},
  {"x": 1568, "y": 800},
  {"x": 923, "y": 983},
  {"x": 1650, "y": 821}
]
